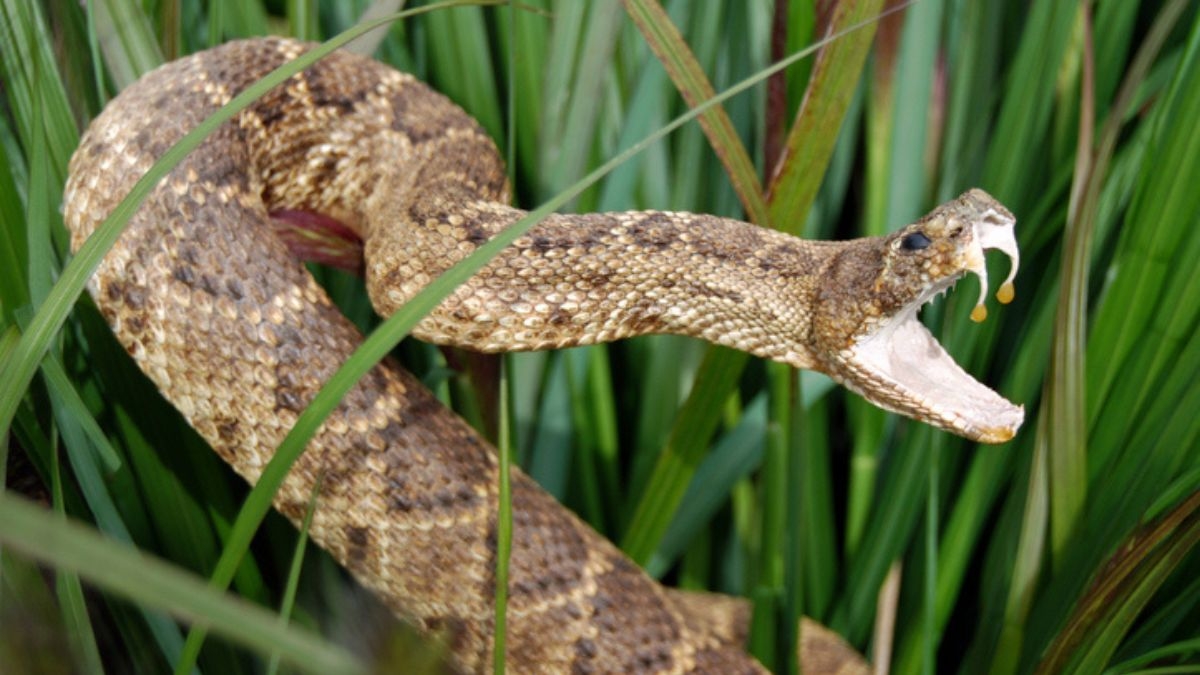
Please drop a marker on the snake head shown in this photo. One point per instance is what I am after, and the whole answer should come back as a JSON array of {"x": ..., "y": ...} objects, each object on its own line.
[{"x": 866, "y": 318}]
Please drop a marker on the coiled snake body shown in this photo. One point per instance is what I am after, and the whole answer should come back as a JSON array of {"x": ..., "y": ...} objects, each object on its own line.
[{"x": 239, "y": 337}]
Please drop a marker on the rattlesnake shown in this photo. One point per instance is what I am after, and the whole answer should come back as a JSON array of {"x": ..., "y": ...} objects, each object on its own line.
[{"x": 238, "y": 336}]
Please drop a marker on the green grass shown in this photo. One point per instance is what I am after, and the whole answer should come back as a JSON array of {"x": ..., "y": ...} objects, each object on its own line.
[{"x": 1070, "y": 549}]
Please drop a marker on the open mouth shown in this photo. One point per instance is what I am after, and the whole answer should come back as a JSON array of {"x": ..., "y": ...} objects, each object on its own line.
[{"x": 912, "y": 374}]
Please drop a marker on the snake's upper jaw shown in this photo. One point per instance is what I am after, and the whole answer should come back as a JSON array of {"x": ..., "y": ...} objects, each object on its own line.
[{"x": 897, "y": 364}]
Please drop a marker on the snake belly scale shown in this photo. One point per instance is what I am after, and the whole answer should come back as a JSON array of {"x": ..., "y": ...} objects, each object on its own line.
[{"x": 217, "y": 311}]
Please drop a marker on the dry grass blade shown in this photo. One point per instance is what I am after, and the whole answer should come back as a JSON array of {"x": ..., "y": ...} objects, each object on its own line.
[
  {"x": 1120, "y": 587},
  {"x": 668, "y": 45},
  {"x": 1066, "y": 400},
  {"x": 794, "y": 185}
]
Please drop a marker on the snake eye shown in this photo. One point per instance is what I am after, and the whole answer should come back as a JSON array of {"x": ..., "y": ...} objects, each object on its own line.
[{"x": 915, "y": 241}]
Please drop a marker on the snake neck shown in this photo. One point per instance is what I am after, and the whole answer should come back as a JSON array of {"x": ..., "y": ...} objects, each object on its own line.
[{"x": 585, "y": 279}]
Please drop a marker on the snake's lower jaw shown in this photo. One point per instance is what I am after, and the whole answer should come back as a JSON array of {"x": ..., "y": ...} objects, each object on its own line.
[
  {"x": 909, "y": 373},
  {"x": 901, "y": 367}
]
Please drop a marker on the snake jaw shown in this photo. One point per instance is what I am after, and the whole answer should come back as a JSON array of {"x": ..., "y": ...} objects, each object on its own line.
[
  {"x": 910, "y": 373},
  {"x": 893, "y": 361}
]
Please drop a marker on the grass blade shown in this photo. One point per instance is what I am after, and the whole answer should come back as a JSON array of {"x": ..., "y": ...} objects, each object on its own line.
[
  {"x": 124, "y": 35},
  {"x": 504, "y": 529},
  {"x": 568, "y": 152},
  {"x": 70, "y": 596},
  {"x": 689, "y": 78},
  {"x": 1065, "y": 401},
  {"x": 1127, "y": 581},
  {"x": 793, "y": 187},
  {"x": 69, "y": 546},
  {"x": 293, "y": 577}
]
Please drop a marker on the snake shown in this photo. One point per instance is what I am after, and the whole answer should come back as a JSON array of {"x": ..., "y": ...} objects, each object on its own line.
[{"x": 207, "y": 291}]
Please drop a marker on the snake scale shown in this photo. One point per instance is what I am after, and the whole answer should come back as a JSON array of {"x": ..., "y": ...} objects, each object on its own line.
[{"x": 213, "y": 306}]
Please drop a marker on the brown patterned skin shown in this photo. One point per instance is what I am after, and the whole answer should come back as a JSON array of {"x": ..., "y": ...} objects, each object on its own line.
[{"x": 239, "y": 337}]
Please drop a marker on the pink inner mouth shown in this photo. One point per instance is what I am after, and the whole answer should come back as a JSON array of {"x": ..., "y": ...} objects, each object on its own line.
[{"x": 313, "y": 237}]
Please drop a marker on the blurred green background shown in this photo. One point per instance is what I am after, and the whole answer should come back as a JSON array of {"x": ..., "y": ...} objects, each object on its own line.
[{"x": 1069, "y": 549}]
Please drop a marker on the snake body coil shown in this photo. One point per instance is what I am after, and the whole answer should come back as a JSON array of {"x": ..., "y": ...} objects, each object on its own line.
[{"x": 216, "y": 310}]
